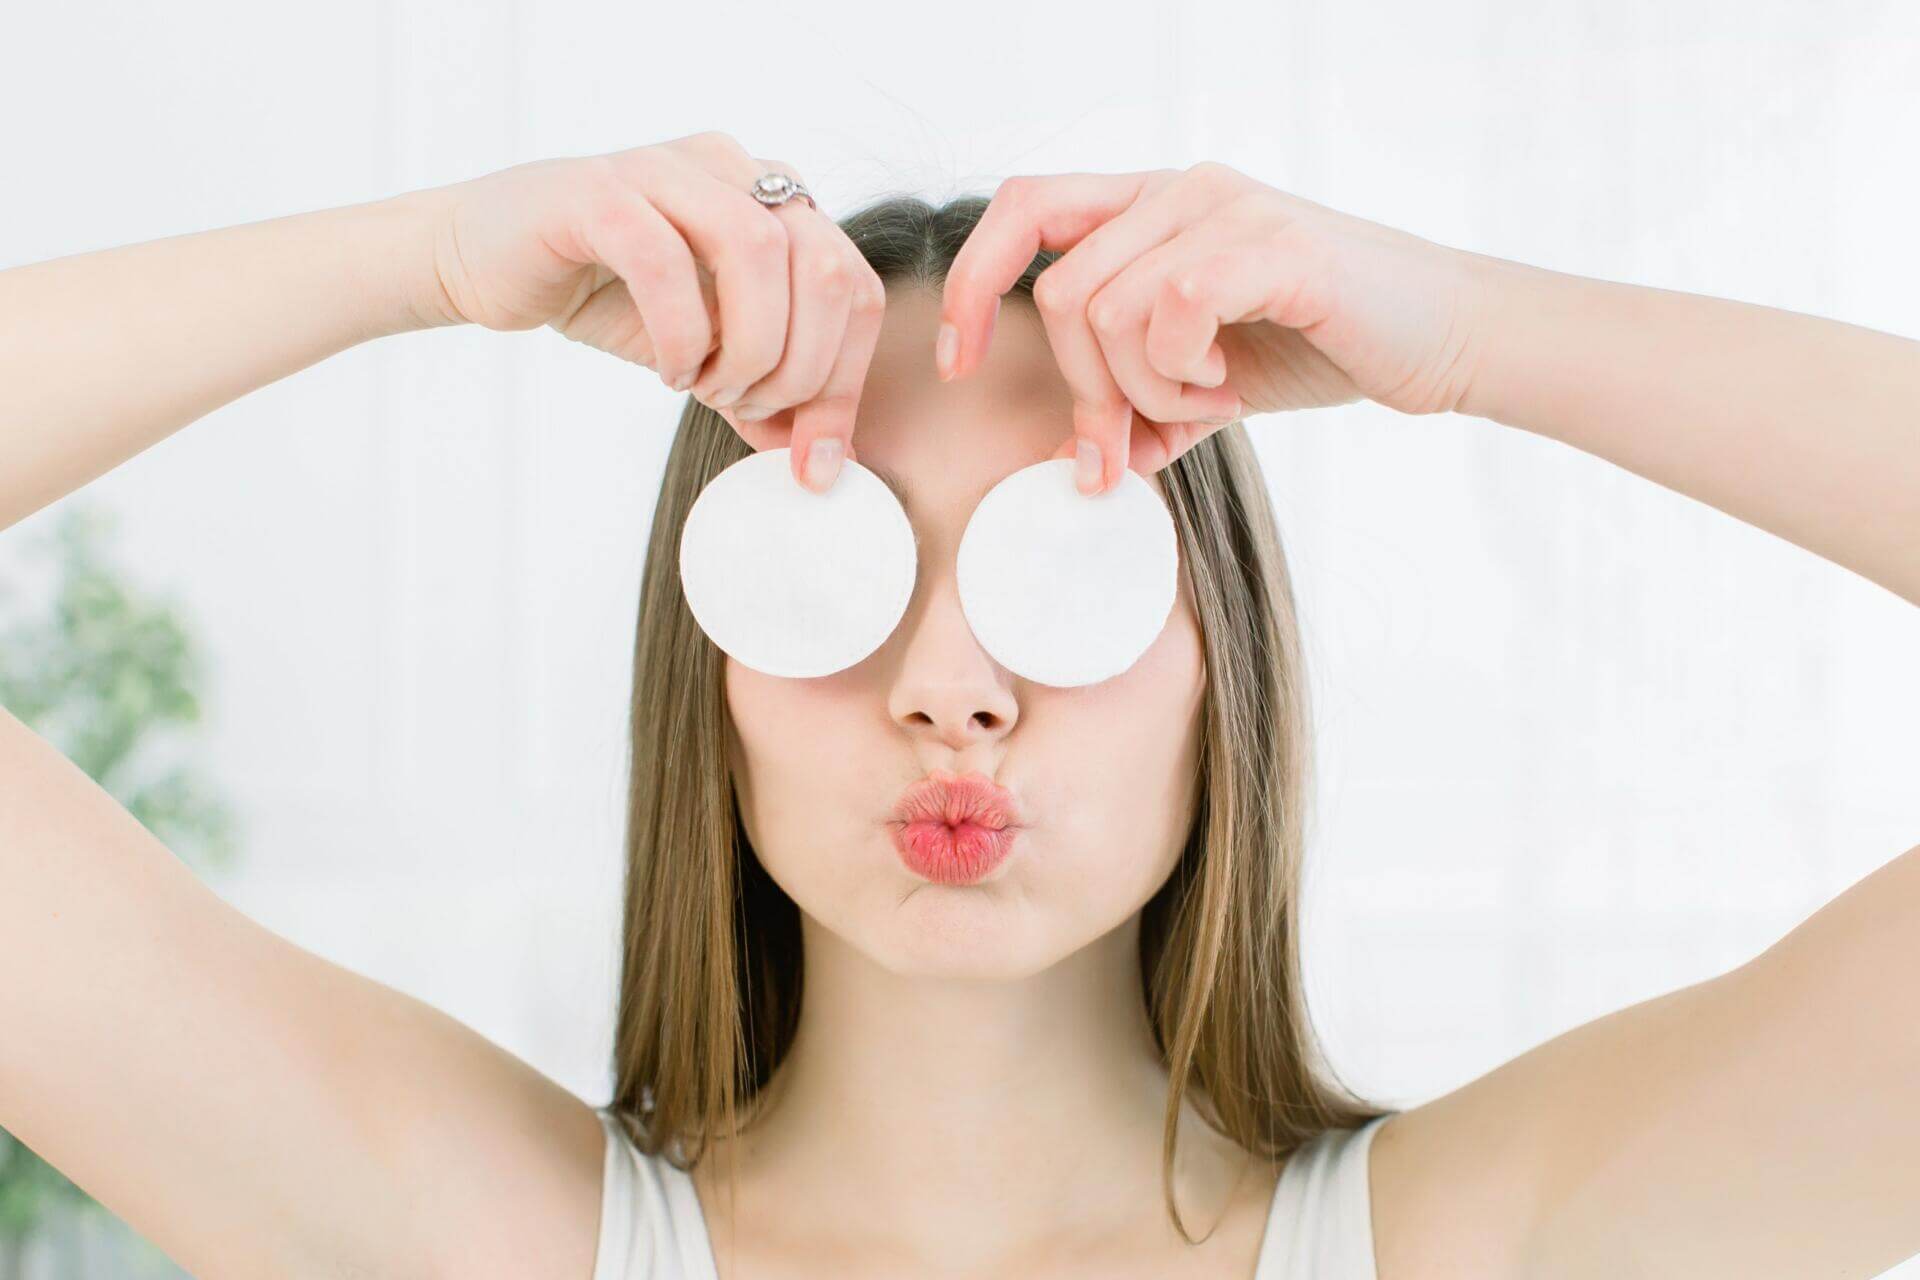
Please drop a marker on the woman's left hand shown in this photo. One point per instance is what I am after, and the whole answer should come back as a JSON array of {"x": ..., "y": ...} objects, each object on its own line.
[{"x": 1187, "y": 298}]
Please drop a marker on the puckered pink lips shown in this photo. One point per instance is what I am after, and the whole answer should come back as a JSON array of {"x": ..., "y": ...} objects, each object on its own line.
[{"x": 954, "y": 828}]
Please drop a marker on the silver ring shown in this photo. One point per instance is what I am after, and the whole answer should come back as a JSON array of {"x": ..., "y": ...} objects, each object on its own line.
[{"x": 775, "y": 188}]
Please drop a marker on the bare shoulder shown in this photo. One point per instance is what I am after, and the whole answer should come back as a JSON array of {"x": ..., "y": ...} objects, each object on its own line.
[
  {"x": 507, "y": 1166},
  {"x": 1760, "y": 1124},
  {"x": 247, "y": 1105},
  {"x": 1462, "y": 1184}
]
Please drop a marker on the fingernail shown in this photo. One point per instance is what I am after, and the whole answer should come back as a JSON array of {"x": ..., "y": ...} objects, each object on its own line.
[
  {"x": 945, "y": 348},
  {"x": 1086, "y": 466},
  {"x": 684, "y": 379},
  {"x": 823, "y": 463},
  {"x": 751, "y": 412},
  {"x": 725, "y": 396},
  {"x": 1221, "y": 420}
]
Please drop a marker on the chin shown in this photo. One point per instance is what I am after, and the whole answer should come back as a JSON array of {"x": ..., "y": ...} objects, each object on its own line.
[{"x": 973, "y": 931}]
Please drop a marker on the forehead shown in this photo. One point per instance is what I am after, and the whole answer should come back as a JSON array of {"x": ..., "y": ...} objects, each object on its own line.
[{"x": 942, "y": 445}]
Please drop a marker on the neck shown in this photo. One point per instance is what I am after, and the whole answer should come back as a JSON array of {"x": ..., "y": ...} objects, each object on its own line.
[{"x": 975, "y": 1120}]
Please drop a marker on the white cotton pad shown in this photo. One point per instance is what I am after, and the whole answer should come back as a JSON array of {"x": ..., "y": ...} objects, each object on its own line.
[
  {"x": 791, "y": 582},
  {"x": 1065, "y": 589}
]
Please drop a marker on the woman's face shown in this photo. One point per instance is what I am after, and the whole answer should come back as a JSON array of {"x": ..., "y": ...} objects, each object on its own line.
[{"x": 1103, "y": 775}]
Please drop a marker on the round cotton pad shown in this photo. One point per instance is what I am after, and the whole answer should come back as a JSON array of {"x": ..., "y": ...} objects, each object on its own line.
[
  {"x": 791, "y": 582},
  {"x": 1062, "y": 588}
]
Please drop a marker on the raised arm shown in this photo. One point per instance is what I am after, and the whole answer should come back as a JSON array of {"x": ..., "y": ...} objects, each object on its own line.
[
  {"x": 104, "y": 354},
  {"x": 1806, "y": 427},
  {"x": 249, "y": 1107},
  {"x": 1182, "y": 295},
  {"x": 1762, "y": 1124}
]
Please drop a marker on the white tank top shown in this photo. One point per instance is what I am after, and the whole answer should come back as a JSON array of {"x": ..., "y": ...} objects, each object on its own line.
[{"x": 1320, "y": 1226}]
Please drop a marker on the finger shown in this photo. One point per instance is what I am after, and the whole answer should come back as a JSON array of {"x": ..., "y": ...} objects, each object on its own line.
[
  {"x": 745, "y": 247},
  {"x": 625, "y": 231},
  {"x": 1058, "y": 213},
  {"x": 1156, "y": 444},
  {"x": 1103, "y": 407},
  {"x": 1182, "y": 327},
  {"x": 1105, "y": 285},
  {"x": 824, "y": 267},
  {"x": 607, "y": 319},
  {"x": 828, "y": 418},
  {"x": 1104, "y": 223},
  {"x": 1119, "y": 316},
  {"x": 1253, "y": 279},
  {"x": 771, "y": 434},
  {"x": 760, "y": 436},
  {"x": 1211, "y": 372},
  {"x": 1153, "y": 445},
  {"x": 1025, "y": 215}
]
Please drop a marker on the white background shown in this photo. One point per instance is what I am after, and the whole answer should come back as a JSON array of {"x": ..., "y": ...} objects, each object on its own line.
[{"x": 1584, "y": 740}]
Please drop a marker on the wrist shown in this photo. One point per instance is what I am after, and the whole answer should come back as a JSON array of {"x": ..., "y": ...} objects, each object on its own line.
[
  {"x": 1512, "y": 304},
  {"x": 399, "y": 279}
]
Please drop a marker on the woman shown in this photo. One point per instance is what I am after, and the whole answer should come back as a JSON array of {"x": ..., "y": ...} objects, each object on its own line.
[{"x": 1059, "y": 1069}]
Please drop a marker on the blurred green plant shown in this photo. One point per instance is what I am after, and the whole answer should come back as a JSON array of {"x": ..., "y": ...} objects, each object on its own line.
[{"x": 109, "y": 676}]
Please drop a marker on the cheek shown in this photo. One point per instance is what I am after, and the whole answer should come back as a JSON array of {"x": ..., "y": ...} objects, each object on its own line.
[
  {"x": 1122, "y": 757},
  {"x": 779, "y": 724},
  {"x": 793, "y": 791}
]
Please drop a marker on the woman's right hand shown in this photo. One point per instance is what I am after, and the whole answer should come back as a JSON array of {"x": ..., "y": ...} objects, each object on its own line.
[{"x": 661, "y": 255}]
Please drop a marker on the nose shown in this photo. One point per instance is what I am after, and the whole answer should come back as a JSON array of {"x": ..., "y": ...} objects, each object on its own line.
[{"x": 947, "y": 690}]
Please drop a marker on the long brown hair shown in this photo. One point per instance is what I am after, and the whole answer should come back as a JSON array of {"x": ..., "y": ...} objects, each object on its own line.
[{"x": 711, "y": 964}]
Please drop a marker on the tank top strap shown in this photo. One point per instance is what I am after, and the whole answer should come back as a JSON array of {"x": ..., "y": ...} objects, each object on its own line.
[
  {"x": 1320, "y": 1226},
  {"x": 651, "y": 1224}
]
